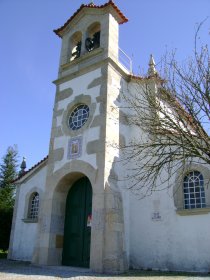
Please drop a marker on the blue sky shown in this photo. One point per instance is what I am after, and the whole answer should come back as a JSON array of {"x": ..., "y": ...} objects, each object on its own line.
[{"x": 29, "y": 56}]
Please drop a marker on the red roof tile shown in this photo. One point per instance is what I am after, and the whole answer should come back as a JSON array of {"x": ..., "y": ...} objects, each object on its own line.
[
  {"x": 156, "y": 77},
  {"x": 92, "y": 6}
]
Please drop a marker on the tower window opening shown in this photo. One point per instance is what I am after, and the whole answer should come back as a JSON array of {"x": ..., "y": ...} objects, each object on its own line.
[
  {"x": 75, "y": 45},
  {"x": 93, "y": 37},
  {"x": 76, "y": 50},
  {"x": 96, "y": 39}
]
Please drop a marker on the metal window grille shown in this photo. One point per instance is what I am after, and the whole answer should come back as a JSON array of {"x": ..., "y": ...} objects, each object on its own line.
[
  {"x": 194, "y": 194},
  {"x": 78, "y": 117},
  {"x": 34, "y": 209}
]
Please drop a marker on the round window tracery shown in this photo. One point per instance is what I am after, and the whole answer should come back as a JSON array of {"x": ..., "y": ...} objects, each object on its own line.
[{"x": 78, "y": 116}]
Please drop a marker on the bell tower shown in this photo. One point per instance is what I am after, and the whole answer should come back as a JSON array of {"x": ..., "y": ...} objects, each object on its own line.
[
  {"x": 90, "y": 34},
  {"x": 87, "y": 88}
]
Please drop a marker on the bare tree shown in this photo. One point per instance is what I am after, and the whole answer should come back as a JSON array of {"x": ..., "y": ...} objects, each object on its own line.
[{"x": 173, "y": 114}]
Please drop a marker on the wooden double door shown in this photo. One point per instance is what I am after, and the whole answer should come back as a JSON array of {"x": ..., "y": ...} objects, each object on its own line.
[{"x": 77, "y": 228}]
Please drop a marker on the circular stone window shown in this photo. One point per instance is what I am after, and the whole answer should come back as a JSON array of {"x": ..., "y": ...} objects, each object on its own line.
[{"x": 78, "y": 116}]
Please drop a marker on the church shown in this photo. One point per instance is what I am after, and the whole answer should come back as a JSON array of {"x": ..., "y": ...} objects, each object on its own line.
[{"x": 73, "y": 208}]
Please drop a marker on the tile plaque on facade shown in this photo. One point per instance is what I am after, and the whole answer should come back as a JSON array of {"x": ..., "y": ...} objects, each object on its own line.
[{"x": 75, "y": 147}]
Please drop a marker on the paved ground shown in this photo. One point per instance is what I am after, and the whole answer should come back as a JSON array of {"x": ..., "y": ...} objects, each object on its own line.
[{"x": 10, "y": 270}]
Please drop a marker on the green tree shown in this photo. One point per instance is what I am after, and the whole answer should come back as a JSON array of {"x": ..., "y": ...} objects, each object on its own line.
[{"x": 8, "y": 173}]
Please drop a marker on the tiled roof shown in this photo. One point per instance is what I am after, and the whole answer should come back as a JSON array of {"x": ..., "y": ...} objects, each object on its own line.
[
  {"x": 92, "y": 6},
  {"x": 32, "y": 168}
]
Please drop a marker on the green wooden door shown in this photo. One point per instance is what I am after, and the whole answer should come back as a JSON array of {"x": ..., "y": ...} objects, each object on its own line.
[{"x": 77, "y": 228}]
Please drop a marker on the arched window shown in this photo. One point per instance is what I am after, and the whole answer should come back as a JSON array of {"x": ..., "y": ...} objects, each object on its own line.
[
  {"x": 33, "y": 206},
  {"x": 194, "y": 194}
]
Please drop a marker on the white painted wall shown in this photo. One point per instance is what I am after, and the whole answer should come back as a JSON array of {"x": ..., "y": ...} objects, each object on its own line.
[
  {"x": 170, "y": 241},
  {"x": 25, "y": 234}
]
